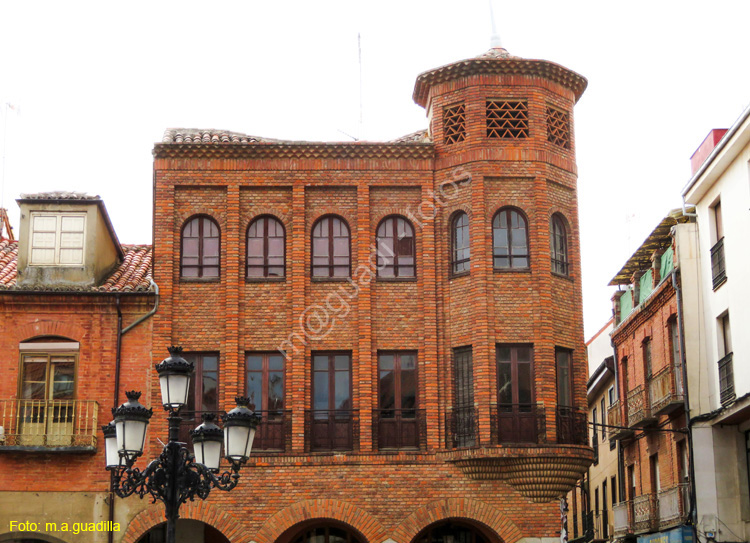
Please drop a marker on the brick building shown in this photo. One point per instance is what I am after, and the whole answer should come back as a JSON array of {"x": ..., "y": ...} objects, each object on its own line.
[
  {"x": 69, "y": 295},
  {"x": 405, "y": 315},
  {"x": 649, "y": 416}
]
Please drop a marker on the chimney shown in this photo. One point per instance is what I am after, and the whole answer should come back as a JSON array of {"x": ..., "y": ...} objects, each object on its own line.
[{"x": 705, "y": 148}]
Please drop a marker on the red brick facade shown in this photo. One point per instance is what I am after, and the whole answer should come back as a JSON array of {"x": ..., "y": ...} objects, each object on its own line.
[{"x": 381, "y": 494}]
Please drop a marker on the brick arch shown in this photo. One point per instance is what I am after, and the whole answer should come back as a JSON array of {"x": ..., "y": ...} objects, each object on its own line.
[
  {"x": 306, "y": 510},
  {"x": 277, "y": 213},
  {"x": 457, "y": 508},
  {"x": 401, "y": 211},
  {"x": 182, "y": 217},
  {"x": 147, "y": 519},
  {"x": 351, "y": 222},
  {"x": 49, "y": 328}
]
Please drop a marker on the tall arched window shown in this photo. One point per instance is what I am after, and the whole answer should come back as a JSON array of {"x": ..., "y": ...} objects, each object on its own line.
[
  {"x": 510, "y": 240},
  {"x": 460, "y": 243},
  {"x": 200, "y": 248},
  {"x": 265, "y": 248},
  {"x": 331, "y": 247},
  {"x": 396, "y": 248},
  {"x": 558, "y": 240}
]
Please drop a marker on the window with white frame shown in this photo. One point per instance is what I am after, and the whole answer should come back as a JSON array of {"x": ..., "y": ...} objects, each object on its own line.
[{"x": 57, "y": 239}]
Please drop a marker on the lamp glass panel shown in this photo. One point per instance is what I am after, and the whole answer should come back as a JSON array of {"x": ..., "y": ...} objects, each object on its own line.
[
  {"x": 235, "y": 442},
  {"x": 112, "y": 454},
  {"x": 208, "y": 453}
]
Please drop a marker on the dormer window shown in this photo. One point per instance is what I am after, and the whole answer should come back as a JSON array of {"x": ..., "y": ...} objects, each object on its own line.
[{"x": 57, "y": 239}]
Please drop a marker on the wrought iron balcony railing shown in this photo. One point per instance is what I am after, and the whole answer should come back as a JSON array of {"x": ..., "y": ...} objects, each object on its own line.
[
  {"x": 331, "y": 429},
  {"x": 718, "y": 267},
  {"x": 726, "y": 379},
  {"x": 399, "y": 428},
  {"x": 665, "y": 391},
  {"x": 517, "y": 423},
  {"x": 674, "y": 506},
  {"x": 571, "y": 426},
  {"x": 639, "y": 408},
  {"x": 623, "y": 518},
  {"x": 462, "y": 429},
  {"x": 645, "y": 513},
  {"x": 48, "y": 425}
]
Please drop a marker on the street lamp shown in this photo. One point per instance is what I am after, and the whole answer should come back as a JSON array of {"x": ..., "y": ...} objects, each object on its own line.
[{"x": 177, "y": 475}]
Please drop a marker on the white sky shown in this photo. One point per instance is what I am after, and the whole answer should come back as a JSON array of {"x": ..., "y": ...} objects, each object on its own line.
[{"x": 98, "y": 82}]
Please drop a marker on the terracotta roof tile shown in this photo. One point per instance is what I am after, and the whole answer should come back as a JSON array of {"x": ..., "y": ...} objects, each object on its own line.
[
  {"x": 132, "y": 275},
  {"x": 210, "y": 135},
  {"x": 8, "y": 258},
  {"x": 420, "y": 136}
]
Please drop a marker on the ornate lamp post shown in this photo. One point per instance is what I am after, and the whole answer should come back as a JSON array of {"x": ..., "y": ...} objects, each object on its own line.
[{"x": 177, "y": 475}]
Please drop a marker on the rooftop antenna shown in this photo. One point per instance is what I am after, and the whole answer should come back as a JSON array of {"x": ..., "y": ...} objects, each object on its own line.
[
  {"x": 495, "y": 41},
  {"x": 360, "y": 128}
]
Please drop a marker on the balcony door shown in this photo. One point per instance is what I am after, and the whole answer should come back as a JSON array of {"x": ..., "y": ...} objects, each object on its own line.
[
  {"x": 265, "y": 388},
  {"x": 331, "y": 417},
  {"x": 516, "y": 411},
  {"x": 46, "y": 409},
  {"x": 397, "y": 401},
  {"x": 204, "y": 391}
]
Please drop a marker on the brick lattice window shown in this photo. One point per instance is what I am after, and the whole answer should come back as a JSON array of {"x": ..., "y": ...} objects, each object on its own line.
[
  {"x": 558, "y": 127},
  {"x": 506, "y": 119},
  {"x": 454, "y": 124}
]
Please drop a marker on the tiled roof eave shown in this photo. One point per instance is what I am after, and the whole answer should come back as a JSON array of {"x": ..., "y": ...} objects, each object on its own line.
[
  {"x": 499, "y": 66},
  {"x": 305, "y": 150}
]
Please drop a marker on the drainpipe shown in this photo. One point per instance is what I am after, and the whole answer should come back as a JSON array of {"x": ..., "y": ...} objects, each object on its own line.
[
  {"x": 118, "y": 358},
  {"x": 693, "y": 517}
]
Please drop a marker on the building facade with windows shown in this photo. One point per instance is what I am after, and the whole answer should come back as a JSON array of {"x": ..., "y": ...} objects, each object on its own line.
[
  {"x": 719, "y": 380},
  {"x": 648, "y": 418},
  {"x": 405, "y": 316},
  {"x": 69, "y": 295}
]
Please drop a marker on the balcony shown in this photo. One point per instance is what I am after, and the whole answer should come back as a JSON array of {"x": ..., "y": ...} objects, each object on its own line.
[
  {"x": 726, "y": 379},
  {"x": 645, "y": 513},
  {"x": 48, "y": 425},
  {"x": 617, "y": 429},
  {"x": 601, "y": 525},
  {"x": 718, "y": 268},
  {"x": 665, "y": 391},
  {"x": 674, "y": 506},
  {"x": 462, "y": 429},
  {"x": 639, "y": 408},
  {"x": 329, "y": 430},
  {"x": 571, "y": 426},
  {"x": 623, "y": 518},
  {"x": 517, "y": 423},
  {"x": 399, "y": 428}
]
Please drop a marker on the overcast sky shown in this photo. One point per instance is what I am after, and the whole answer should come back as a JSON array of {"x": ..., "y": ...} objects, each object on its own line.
[{"x": 98, "y": 82}]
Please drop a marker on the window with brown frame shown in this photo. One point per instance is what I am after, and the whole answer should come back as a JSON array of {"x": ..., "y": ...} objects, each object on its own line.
[
  {"x": 398, "y": 420},
  {"x": 564, "y": 377},
  {"x": 200, "y": 248},
  {"x": 396, "y": 248},
  {"x": 204, "y": 391},
  {"x": 558, "y": 245},
  {"x": 460, "y": 243},
  {"x": 510, "y": 240},
  {"x": 265, "y": 248},
  {"x": 331, "y": 246},
  {"x": 265, "y": 388},
  {"x": 517, "y": 416},
  {"x": 331, "y": 418}
]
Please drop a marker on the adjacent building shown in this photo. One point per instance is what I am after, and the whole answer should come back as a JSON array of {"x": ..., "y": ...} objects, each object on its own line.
[
  {"x": 718, "y": 376},
  {"x": 74, "y": 308}
]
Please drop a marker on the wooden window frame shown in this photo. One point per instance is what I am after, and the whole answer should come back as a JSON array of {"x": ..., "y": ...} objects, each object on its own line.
[
  {"x": 559, "y": 245},
  {"x": 396, "y": 249},
  {"x": 505, "y": 212},
  {"x": 265, "y": 237},
  {"x": 514, "y": 372},
  {"x": 331, "y": 370},
  {"x": 201, "y": 256},
  {"x": 464, "y": 263},
  {"x": 330, "y": 265},
  {"x": 264, "y": 383},
  {"x": 569, "y": 353}
]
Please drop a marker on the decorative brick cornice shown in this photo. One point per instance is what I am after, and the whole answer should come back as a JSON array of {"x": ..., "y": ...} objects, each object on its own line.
[
  {"x": 498, "y": 66},
  {"x": 296, "y": 150}
]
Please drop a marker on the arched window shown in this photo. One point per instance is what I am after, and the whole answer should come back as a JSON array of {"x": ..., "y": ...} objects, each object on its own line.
[
  {"x": 460, "y": 245},
  {"x": 558, "y": 240},
  {"x": 330, "y": 247},
  {"x": 265, "y": 248},
  {"x": 510, "y": 240},
  {"x": 200, "y": 248},
  {"x": 396, "y": 248}
]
